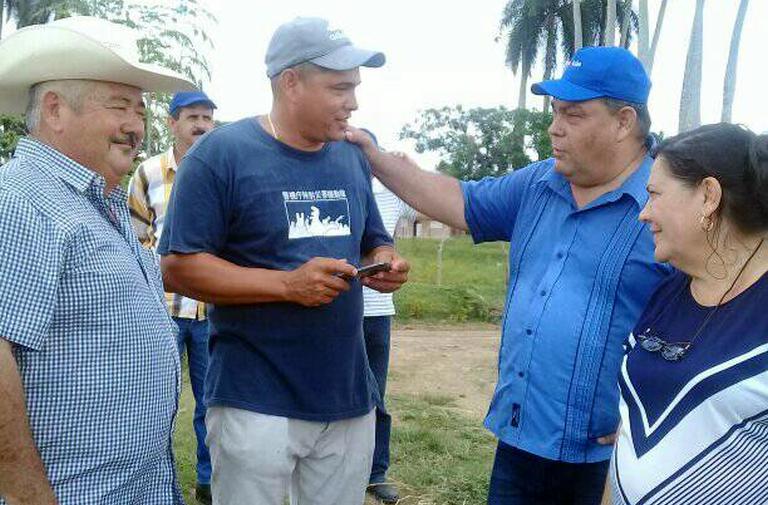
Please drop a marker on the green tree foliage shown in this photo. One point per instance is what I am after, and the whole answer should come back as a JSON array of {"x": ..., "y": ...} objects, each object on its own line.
[
  {"x": 479, "y": 142},
  {"x": 11, "y": 129}
]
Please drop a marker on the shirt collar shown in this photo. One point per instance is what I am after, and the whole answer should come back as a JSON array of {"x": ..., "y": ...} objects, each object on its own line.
[
  {"x": 82, "y": 179},
  {"x": 63, "y": 167},
  {"x": 634, "y": 185}
]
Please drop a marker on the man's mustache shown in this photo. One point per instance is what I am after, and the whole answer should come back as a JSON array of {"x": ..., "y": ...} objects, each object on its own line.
[{"x": 130, "y": 139}]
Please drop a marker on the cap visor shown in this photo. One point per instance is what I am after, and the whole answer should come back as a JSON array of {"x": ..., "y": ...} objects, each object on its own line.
[
  {"x": 349, "y": 57},
  {"x": 564, "y": 90}
]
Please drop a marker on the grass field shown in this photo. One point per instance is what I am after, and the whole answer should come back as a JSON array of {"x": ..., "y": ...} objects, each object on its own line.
[{"x": 473, "y": 281}]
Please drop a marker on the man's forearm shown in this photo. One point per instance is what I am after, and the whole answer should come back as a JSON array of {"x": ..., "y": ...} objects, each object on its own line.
[
  {"x": 22, "y": 474},
  {"x": 436, "y": 195},
  {"x": 210, "y": 279}
]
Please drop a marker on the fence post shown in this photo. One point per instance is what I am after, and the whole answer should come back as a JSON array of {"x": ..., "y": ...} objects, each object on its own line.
[{"x": 440, "y": 259}]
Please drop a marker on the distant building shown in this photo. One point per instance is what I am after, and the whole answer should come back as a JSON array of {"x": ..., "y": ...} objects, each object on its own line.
[{"x": 422, "y": 226}]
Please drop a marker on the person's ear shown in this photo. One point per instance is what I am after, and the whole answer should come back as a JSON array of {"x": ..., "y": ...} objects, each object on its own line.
[
  {"x": 53, "y": 111},
  {"x": 290, "y": 82},
  {"x": 627, "y": 119},
  {"x": 713, "y": 195}
]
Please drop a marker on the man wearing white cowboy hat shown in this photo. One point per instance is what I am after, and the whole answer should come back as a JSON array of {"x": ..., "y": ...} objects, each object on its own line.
[{"x": 89, "y": 370}]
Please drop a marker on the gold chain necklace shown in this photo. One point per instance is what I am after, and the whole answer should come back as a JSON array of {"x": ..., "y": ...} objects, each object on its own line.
[{"x": 272, "y": 126}]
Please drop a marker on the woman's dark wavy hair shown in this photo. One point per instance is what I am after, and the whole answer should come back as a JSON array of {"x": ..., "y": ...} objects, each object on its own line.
[{"x": 733, "y": 155}]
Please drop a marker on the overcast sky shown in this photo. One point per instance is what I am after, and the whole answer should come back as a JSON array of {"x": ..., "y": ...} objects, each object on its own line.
[{"x": 444, "y": 53}]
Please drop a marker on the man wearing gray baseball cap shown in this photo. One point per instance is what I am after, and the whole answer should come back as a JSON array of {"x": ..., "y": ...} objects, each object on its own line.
[
  {"x": 314, "y": 40},
  {"x": 270, "y": 219}
]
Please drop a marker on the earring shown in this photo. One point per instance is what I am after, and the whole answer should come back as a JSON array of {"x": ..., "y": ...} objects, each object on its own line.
[{"x": 706, "y": 223}]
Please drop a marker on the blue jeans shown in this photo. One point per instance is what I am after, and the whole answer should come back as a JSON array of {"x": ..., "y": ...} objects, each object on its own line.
[
  {"x": 193, "y": 335},
  {"x": 376, "y": 330},
  {"x": 521, "y": 478}
]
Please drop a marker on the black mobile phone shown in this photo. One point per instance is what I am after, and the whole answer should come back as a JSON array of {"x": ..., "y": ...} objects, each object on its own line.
[{"x": 373, "y": 269}]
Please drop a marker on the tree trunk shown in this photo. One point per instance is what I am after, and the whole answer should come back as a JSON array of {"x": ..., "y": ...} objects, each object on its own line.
[
  {"x": 550, "y": 57},
  {"x": 656, "y": 35},
  {"x": 2, "y": 5},
  {"x": 729, "y": 84},
  {"x": 577, "y": 33},
  {"x": 690, "y": 98},
  {"x": 523, "y": 93},
  {"x": 642, "y": 34},
  {"x": 627, "y": 8},
  {"x": 610, "y": 23}
]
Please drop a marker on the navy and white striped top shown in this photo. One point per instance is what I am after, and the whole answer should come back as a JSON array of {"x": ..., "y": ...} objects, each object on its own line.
[{"x": 695, "y": 431}]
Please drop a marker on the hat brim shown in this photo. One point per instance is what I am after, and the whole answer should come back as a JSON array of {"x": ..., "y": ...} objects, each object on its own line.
[
  {"x": 42, "y": 53},
  {"x": 564, "y": 90},
  {"x": 198, "y": 101},
  {"x": 349, "y": 57}
]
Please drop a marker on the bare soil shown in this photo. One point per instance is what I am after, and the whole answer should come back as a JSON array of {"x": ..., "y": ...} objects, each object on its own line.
[{"x": 458, "y": 362}]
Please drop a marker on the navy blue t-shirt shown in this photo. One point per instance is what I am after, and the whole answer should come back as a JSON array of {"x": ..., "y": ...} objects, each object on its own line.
[{"x": 245, "y": 197}]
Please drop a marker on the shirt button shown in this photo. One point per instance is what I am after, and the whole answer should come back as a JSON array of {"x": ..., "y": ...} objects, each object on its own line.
[
  {"x": 521, "y": 374},
  {"x": 543, "y": 292},
  {"x": 560, "y": 255},
  {"x": 528, "y": 331}
]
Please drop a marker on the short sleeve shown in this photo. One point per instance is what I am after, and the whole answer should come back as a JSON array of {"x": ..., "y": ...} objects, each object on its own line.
[
  {"x": 491, "y": 204},
  {"x": 30, "y": 260},
  {"x": 375, "y": 235},
  {"x": 197, "y": 216}
]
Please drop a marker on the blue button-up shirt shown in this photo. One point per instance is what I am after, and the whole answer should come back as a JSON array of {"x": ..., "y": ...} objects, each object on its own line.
[
  {"x": 83, "y": 304},
  {"x": 579, "y": 278}
]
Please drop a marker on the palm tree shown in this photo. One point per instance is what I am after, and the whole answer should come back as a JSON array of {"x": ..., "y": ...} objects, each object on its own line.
[
  {"x": 534, "y": 23},
  {"x": 529, "y": 23},
  {"x": 690, "y": 98},
  {"x": 646, "y": 48},
  {"x": 729, "y": 84}
]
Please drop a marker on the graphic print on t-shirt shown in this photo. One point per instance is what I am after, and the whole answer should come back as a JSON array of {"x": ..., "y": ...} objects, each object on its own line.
[{"x": 321, "y": 213}]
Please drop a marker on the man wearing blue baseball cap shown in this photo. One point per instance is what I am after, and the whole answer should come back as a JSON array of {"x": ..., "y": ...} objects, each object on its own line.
[
  {"x": 580, "y": 270},
  {"x": 190, "y": 116},
  {"x": 271, "y": 218}
]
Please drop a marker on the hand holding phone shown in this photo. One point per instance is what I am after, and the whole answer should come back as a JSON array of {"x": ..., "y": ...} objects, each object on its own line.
[{"x": 373, "y": 269}]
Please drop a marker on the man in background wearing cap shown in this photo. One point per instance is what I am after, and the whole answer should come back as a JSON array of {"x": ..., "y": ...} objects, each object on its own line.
[
  {"x": 581, "y": 269},
  {"x": 269, "y": 219},
  {"x": 89, "y": 370},
  {"x": 190, "y": 116}
]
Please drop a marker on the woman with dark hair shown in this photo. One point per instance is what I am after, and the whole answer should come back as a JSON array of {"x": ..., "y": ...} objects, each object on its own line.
[{"x": 694, "y": 382}]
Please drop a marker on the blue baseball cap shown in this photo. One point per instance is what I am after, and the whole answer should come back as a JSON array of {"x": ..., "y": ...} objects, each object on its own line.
[
  {"x": 314, "y": 40},
  {"x": 187, "y": 98},
  {"x": 599, "y": 72}
]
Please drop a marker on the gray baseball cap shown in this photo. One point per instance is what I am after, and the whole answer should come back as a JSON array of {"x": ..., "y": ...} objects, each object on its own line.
[{"x": 313, "y": 40}]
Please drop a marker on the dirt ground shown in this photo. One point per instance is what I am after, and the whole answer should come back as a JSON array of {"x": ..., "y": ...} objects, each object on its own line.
[{"x": 454, "y": 361}]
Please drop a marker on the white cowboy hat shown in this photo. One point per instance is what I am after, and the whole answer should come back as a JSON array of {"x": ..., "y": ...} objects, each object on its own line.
[{"x": 79, "y": 47}]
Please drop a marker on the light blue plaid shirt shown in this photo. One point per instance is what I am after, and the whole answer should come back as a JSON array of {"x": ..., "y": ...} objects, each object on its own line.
[{"x": 83, "y": 304}]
